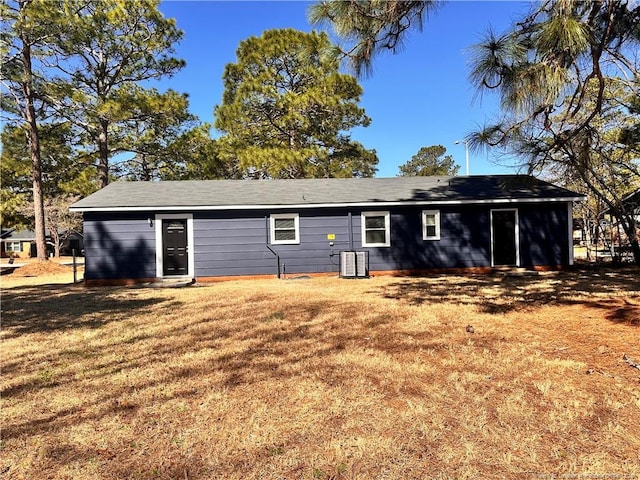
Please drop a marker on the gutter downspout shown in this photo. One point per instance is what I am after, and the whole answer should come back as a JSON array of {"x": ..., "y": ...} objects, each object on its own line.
[
  {"x": 266, "y": 222},
  {"x": 350, "y": 226}
]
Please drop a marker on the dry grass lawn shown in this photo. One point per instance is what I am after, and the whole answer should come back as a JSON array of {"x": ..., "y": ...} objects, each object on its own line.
[{"x": 324, "y": 379}]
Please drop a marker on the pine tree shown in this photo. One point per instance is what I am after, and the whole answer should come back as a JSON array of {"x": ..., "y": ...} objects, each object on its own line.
[{"x": 286, "y": 110}]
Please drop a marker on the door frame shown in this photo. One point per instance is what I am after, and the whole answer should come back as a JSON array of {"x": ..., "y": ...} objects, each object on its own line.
[
  {"x": 159, "y": 247},
  {"x": 517, "y": 233}
]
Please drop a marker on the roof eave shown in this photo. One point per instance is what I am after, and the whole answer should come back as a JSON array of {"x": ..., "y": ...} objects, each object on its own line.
[{"x": 376, "y": 204}]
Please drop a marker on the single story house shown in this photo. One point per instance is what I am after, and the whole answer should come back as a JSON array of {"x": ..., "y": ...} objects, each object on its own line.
[
  {"x": 214, "y": 229},
  {"x": 17, "y": 243}
]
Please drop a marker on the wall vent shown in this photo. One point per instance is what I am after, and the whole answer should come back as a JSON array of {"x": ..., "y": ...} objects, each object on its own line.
[{"x": 354, "y": 264}]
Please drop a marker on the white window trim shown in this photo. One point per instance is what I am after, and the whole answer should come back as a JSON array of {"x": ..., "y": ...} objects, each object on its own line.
[
  {"x": 10, "y": 244},
  {"x": 190, "y": 245},
  {"x": 272, "y": 228},
  {"x": 387, "y": 228},
  {"x": 435, "y": 213}
]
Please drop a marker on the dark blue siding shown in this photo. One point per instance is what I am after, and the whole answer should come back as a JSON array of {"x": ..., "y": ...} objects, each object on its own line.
[
  {"x": 236, "y": 243},
  {"x": 544, "y": 235},
  {"x": 118, "y": 246},
  {"x": 464, "y": 240},
  {"x": 231, "y": 243},
  {"x": 228, "y": 243}
]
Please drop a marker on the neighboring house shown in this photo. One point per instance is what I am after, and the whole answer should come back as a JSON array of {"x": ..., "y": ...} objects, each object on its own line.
[
  {"x": 72, "y": 242},
  {"x": 22, "y": 243},
  {"x": 17, "y": 243},
  {"x": 146, "y": 231},
  {"x": 632, "y": 203}
]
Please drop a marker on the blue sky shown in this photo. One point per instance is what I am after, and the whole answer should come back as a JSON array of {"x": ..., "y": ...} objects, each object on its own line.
[{"x": 416, "y": 98}]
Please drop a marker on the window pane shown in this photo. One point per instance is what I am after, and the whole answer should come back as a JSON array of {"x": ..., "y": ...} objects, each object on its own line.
[
  {"x": 430, "y": 219},
  {"x": 431, "y": 230},
  {"x": 284, "y": 228},
  {"x": 374, "y": 222},
  {"x": 285, "y": 223},
  {"x": 375, "y": 236},
  {"x": 285, "y": 235}
]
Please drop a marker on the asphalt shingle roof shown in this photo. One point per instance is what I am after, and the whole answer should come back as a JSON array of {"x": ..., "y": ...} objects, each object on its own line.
[
  {"x": 219, "y": 194},
  {"x": 15, "y": 235}
]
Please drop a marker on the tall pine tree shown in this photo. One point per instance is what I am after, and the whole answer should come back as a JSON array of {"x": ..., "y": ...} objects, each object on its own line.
[
  {"x": 287, "y": 110},
  {"x": 105, "y": 49}
]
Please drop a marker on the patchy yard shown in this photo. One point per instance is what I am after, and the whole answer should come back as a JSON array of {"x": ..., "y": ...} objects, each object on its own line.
[{"x": 324, "y": 379}]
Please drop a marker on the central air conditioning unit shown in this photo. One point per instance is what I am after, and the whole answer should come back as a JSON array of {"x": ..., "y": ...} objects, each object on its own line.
[{"x": 354, "y": 264}]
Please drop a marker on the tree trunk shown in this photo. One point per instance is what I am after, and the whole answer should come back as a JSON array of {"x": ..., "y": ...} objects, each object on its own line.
[
  {"x": 586, "y": 231},
  {"x": 103, "y": 151},
  {"x": 34, "y": 145},
  {"x": 55, "y": 238},
  {"x": 146, "y": 171},
  {"x": 627, "y": 219},
  {"x": 635, "y": 248}
]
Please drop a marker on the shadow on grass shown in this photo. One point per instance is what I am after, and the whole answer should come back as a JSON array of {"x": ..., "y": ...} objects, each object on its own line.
[
  {"x": 622, "y": 312},
  {"x": 503, "y": 293},
  {"x": 268, "y": 351},
  {"x": 46, "y": 308},
  {"x": 233, "y": 342}
]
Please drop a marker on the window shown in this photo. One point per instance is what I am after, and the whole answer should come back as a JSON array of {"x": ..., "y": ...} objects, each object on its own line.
[
  {"x": 285, "y": 228},
  {"x": 375, "y": 229},
  {"x": 431, "y": 224},
  {"x": 15, "y": 247}
]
